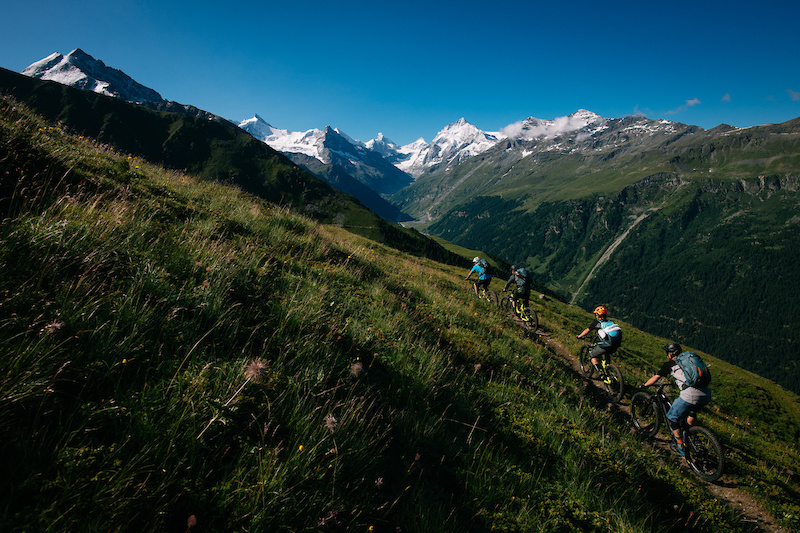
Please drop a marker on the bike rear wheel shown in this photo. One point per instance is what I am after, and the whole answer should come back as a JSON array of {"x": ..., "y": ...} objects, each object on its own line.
[
  {"x": 644, "y": 415},
  {"x": 615, "y": 387},
  {"x": 585, "y": 361},
  {"x": 530, "y": 317},
  {"x": 704, "y": 453},
  {"x": 491, "y": 297}
]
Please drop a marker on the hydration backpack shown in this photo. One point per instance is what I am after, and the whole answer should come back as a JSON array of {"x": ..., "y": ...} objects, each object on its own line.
[
  {"x": 610, "y": 334},
  {"x": 694, "y": 369},
  {"x": 523, "y": 281},
  {"x": 484, "y": 264}
]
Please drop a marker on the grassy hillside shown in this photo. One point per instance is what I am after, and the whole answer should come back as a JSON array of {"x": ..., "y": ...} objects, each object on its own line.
[{"x": 180, "y": 355}]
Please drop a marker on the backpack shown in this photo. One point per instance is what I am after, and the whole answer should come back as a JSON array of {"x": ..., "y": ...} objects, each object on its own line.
[
  {"x": 484, "y": 264},
  {"x": 694, "y": 369},
  {"x": 610, "y": 334},
  {"x": 523, "y": 281}
]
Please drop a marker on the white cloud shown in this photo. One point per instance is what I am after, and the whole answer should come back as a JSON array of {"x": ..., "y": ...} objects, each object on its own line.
[
  {"x": 795, "y": 96},
  {"x": 726, "y": 97},
  {"x": 689, "y": 103}
]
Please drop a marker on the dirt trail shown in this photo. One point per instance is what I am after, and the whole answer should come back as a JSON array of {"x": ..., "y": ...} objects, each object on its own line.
[{"x": 753, "y": 516}]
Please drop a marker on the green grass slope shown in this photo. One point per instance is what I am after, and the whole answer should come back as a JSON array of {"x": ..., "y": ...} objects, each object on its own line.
[{"x": 178, "y": 355}]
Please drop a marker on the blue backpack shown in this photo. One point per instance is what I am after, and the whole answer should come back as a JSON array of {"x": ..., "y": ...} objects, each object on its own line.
[
  {"x": 610, "y": 334},
  {"x": 694, "y": 369}
]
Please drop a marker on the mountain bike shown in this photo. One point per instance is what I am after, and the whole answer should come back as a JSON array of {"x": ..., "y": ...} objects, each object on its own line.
[
  {"x": 484, "y": 295},
  {"x": 704, "y": 453},
  {"x": 607, "y": 372},
  {"x": 524, "y": 312}
]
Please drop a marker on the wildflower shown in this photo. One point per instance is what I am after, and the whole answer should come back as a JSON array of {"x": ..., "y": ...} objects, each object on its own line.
[
  {"x": 300, "y": 448},
  {"x": 53, "y": 327},
  {"x": 379, "y": 482},
  {"x": 357, "y": 369},
  {"x": 332, "y": 518},
  {"x": 256, "y": 371},
  {"x": 331, "y": 423}
]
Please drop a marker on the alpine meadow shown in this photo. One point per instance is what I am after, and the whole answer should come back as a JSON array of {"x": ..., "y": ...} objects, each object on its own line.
[{"x": 207, "y": 344}]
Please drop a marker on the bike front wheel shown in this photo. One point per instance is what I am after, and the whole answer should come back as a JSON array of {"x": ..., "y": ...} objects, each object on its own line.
[
  {"x": 644, "y": 415},
  {"x": 585, "y": 361},
  {"x": 505, "y": 303},
  {"x": 704, "y": 453},
  {"x": 612, "y": 381}
]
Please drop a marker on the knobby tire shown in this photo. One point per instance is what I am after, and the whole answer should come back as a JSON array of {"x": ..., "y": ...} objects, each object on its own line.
[
  {"x": 585, "y": 361},
  {"x": 491, "y": 297},
  {"x": 614, "y": 385},
  {"x": 704, "y": 453},
  {"x": 645, "y": 416}
]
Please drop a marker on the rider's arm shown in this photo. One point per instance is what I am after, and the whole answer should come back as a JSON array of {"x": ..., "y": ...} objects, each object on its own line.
[
  {"x": 663, "y": 372},
  {"x": 651, "y": 381},
  {"x": 583, "y": 333},
  {"x": 474, "y": 269}
]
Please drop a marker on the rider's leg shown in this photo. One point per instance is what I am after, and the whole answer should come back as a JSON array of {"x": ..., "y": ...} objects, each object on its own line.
[
  {"x": 597, "y": 352},
  {"x": 677, "y": 412}
]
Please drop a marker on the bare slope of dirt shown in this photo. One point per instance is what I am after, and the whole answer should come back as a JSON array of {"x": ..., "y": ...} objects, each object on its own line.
[{"x": 753, "y": 516}]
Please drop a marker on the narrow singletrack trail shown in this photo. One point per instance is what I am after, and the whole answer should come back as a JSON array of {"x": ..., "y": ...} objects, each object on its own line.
[{"x": 754, "y": 517}]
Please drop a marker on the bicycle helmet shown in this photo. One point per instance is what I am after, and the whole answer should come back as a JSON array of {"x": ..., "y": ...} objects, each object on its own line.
[
  {"x": 476, "y": 259},
  {"x": 600, "y": 310},
  {"x": 672, "y": 347},
  {"x": 513, "y": 268}
]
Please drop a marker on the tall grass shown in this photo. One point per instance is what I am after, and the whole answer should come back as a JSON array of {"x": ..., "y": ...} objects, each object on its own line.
[{"x": 179, "y": 355}]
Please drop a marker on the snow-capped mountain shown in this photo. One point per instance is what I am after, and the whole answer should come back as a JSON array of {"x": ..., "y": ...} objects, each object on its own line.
[
  {"x": 534, "y": 128},
  {"x": 332, "y": 147},
  {"x": 455, "y": 143},
  {"x": 79, "y": 69}
]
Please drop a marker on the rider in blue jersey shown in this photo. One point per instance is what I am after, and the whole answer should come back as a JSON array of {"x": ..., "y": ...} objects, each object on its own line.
[{"x": 480, "y": 267}]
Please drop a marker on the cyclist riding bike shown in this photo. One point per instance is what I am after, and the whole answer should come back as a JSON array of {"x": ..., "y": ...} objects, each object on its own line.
[
  {"x": 522, "y": 290},
  {"x": 480, "y": 267},
  {"x": 691, "y": 399},
  {"x": 609, "y": 333}
]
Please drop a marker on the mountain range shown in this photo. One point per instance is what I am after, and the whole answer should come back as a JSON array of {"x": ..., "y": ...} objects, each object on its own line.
[{"x": 682, "y": 231}]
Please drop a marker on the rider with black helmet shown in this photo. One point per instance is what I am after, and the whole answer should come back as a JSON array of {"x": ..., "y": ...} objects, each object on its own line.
[
  {"x": 522, "y": 292},
  {"x": 691, "y": 399}
]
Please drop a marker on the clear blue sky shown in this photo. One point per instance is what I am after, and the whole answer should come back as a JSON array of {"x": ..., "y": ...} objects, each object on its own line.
[{"x": 407, "y": 69}]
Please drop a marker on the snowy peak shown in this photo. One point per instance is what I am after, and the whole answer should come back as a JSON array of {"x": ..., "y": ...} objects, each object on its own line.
[
  {"x": 308, "y": 143},
  {"x": 533, "y": 128},
  {"x": 80, "y": 70},
  {"x": 383, "y": 145}
]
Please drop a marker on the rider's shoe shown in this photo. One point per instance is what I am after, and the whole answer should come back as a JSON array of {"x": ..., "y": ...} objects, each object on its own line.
[{"x": 678, "y": 448}]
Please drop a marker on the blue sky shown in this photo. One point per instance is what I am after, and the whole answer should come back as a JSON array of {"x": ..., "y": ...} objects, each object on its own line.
[{"x": 407, "y": 69}]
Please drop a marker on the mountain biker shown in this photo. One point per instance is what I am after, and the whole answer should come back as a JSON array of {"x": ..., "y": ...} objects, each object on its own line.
[
  {"x": 519, "y": 277},
  {"x": 691, "y": 399},
  {"x": 480, "y": 267},
  {"x": 610, "y": 336}
]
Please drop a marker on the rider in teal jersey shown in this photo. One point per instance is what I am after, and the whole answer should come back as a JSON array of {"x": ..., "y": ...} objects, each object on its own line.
[{"x": 480, "y": 267}]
